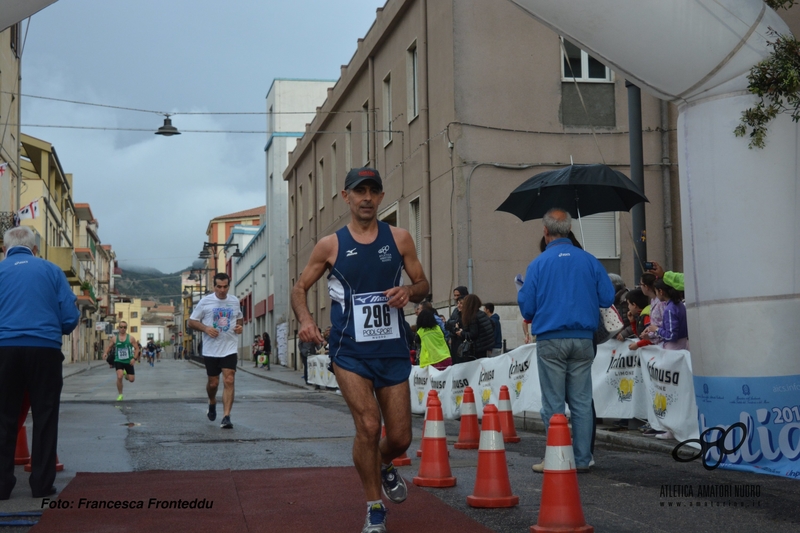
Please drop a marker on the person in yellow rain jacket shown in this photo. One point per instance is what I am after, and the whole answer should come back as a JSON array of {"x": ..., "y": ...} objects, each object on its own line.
[{"x": 433, "y": 348}]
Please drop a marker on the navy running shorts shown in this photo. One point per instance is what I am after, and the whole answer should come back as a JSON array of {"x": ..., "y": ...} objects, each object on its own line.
[
  {"x": 214, "y": 365},
  {"x": 384, "y": 372}
]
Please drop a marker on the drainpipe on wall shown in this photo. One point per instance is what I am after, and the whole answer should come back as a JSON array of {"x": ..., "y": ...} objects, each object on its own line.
[
  {"x": 296, "y": 258},
  {"x": 371, "y": 125},
  {"x": 427, "y": 260},
  {"x": 666, "y": 186},
  {"x": 637, "y": 177}
]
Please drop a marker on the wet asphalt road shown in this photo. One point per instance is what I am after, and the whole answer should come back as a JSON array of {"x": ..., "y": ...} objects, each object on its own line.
[{"x": 162, "y": 424}]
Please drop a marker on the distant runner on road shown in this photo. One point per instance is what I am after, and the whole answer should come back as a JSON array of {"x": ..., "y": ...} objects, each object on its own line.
[{"x": 127, "y": 349}]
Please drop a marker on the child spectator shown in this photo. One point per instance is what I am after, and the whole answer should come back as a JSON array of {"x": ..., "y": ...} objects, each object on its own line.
[
  {"x": 656, "y": 307},
  {"x": 433, "y": 348},
  {"x": 639, "y": 314},
  {"x": 674, "y": 329}
]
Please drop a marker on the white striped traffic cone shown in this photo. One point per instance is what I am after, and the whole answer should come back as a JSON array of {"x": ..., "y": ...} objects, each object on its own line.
[
  {"x": 434, "y": 468},
  {"x": 507, "y": 417},
  {"x": 492, "y": 487},
  {"x": 560, "y": 508},
  {"x": 468, "y": 434}
]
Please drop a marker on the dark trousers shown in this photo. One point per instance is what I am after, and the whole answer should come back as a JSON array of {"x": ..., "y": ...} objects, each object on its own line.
[{"x": 37, "y": 370}]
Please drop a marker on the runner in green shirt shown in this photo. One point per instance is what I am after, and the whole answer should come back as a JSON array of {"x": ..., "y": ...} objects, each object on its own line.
[{"x": 127, "y": 349}]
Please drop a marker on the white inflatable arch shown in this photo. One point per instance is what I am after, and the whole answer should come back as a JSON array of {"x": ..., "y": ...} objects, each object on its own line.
[{"x": 740, "y": 207}]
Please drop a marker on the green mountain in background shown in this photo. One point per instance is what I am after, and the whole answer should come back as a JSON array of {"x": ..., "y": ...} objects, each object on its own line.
[{"x": 150, "y": 284}]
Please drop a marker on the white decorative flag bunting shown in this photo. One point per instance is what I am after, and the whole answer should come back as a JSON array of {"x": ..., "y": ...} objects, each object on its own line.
[{"x": 29, "y": 211}]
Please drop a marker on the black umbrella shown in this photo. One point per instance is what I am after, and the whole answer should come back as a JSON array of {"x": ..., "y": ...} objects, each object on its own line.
[{"x": 580, "y": 189}]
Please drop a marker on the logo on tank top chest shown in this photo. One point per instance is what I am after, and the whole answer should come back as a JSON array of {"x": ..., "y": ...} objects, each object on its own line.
[
  {"x": 351, "y": 253},
  {"x": 384, "y": 255}
]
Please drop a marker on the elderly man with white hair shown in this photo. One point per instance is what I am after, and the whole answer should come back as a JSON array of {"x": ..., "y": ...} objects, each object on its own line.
[{"x": 37, "y": 307}]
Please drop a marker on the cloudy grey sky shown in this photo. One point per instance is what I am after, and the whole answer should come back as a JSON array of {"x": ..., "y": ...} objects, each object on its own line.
[{"x": 153, "y": 196}]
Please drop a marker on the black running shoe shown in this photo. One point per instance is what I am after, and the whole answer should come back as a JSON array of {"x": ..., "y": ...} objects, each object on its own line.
[
  {"x": 226, "y": 423},
  {"x": 212, "y": 411}
]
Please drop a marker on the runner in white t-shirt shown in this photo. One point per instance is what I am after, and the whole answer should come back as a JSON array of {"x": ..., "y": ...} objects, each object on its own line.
[{"x": 219, "y": 317}]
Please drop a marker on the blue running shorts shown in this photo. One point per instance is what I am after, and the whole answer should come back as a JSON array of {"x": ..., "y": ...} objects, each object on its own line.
[{"x": 382, "y": 372}]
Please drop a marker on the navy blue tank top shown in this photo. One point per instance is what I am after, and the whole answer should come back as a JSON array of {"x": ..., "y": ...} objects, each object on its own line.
[{"x": 362, "y": 323}]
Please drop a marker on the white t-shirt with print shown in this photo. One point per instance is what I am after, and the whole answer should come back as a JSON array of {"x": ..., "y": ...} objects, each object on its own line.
[{"x": 222, "y": 316}]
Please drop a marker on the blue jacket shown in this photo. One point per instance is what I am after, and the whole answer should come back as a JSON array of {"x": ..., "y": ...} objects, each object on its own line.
[
  {"x": 37, "y": 305},
  {"x": 564, "y": 289}
]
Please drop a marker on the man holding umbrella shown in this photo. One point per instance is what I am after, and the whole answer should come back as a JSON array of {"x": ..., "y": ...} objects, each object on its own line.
[{"x": 564, "y": 288}]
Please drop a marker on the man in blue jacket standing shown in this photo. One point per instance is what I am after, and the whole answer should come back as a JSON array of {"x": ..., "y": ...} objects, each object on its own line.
[
  {"x": 37, "y": 307},
  {"x": 563, "y": 290}
]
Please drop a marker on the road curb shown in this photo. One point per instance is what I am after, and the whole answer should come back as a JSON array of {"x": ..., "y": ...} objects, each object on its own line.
[
  {"x": 260, "y": 375},
  {"x": 72, "y": 369}
]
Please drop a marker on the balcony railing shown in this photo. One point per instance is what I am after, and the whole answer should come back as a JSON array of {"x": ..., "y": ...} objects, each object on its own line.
[
  {"x": 67, "y": 261},
  {"x": 6, "y": 221}
]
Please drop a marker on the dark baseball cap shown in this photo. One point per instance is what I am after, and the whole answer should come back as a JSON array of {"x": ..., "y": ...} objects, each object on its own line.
[{"x": 357, "y": 175}]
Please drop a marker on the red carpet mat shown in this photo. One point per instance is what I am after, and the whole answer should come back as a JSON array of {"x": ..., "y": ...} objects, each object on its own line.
[{"x": 297, "y": 500}]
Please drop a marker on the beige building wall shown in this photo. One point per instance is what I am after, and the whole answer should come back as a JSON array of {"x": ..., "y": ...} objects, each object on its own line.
[
  {"x": 219, "y": 229},
  {"x": 10, "y": 100},
  {"x": 45, "y": 181},
  {"x": 130, "y": 311},
  {"x": 492, "y": 112}
]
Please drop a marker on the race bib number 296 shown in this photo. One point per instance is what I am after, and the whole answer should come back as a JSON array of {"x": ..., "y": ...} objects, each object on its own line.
[{"x": 374, "y": 320}]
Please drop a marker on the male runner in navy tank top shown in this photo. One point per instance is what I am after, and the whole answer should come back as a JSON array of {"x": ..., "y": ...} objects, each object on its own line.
[{"x": 367, "y": 344}]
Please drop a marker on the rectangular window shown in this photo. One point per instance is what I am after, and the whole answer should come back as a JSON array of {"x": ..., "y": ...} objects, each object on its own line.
[
  {"x": 270, "y": 120},
  {"x": 15, "y": 39},
  {"x": 348, "y": 147},
  {"x": 321, "y": 184},
  {"x": 365, "y": 134},
  {"x": 135, "y": 329},
  {"x": 387, "y": 109},
  {"x": 300, "y": 206},
  {"x": 134, "y": 314},
  {"x": 293, "y": 213},
  {"x": 334, "y": 188},
  {"x": 414, "y": 226},
  {"x": 310, "y": 196},
  {"x": 413, "y": 84},
  {"x": 389, "y": 215},
  {"x": 598, "y": 235},
  {"x": 580, "y": 66}
]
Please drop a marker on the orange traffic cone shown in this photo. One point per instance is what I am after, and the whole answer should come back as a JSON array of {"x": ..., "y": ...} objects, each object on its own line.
[
  {"x": 560, "y": 508},
  {"x": 434, "y": 469},
  {"x": 22, "y": 455},
  {"x": 403, "y": 460},
  {"x": 507, "y": 417},
  {"x": 431, "y": 394},
  {"x": 492, "y": 487},
  {"x": 469, "y": 434},
  {"x": 59, "y": 466}
]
